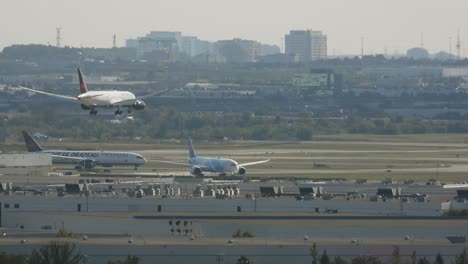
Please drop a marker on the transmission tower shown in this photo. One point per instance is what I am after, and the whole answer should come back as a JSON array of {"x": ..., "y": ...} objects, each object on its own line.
[
  {"x": 59, "y": 37},
  {"x": 458, "y": 45}
]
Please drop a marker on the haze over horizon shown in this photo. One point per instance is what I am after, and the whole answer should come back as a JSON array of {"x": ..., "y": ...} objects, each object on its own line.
[{"x": 387, "y": 26}]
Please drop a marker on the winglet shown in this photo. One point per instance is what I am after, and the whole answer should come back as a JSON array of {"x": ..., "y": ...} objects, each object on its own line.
[
  {"x": 192, "y": 153},
  {"x": 83, "y": 87},
  {"x": 31, "y": 144}
]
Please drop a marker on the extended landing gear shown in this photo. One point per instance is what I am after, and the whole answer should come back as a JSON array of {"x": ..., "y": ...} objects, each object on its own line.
[
  {"x": 129, "y": 110},
  {"x": 118, "y": 111},
  {"x": 93, "y": 112}
]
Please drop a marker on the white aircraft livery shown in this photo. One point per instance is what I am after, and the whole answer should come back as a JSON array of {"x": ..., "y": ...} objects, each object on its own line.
[
  {"x": 90, "y": 100},
  {"x": 198, "y": 164},
  {"x": 86, "y": 159}
]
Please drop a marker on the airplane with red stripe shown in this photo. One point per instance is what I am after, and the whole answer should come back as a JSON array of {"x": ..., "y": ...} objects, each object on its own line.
[{"x": 91, "y": 100}]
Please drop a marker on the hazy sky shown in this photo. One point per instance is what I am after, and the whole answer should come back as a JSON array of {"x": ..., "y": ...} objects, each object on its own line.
[{"x": 391, "y": 25}]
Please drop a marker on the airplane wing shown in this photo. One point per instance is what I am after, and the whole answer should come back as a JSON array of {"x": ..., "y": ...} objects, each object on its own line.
[
  {"x": 76, "y": 159},
  {"x": 49, "y": 94},
  {"x": 153, "y": 94},
  {"x": 118, "y": 102},
  {"x": 253, "y": 163}
]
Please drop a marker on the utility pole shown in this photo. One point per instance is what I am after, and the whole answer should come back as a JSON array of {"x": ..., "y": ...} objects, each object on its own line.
[
  {"x": 59, "y": 37},
  {"x": 362, "y": 47}
]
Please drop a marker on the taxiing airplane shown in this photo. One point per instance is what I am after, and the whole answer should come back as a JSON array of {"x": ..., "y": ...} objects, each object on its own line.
[
  {"x": 198, "y": 164},
  {"x": 90, "y": 100},
  {"x": 86, "y": 159}
]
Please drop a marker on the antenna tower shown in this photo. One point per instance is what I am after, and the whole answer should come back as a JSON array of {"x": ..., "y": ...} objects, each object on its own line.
[
  {"x": 362, "y": 47},
  {"x": 458, "y": 44},
  {"x": 59, "y": 36},
  {"x": 450, "y": 47},
  {"x": 114, "y": 42}
]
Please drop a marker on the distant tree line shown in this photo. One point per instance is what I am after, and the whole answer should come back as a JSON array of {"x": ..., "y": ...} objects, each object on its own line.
[
  {"x": 168, "y": 123},
  {"x": 59, "y": 252}
]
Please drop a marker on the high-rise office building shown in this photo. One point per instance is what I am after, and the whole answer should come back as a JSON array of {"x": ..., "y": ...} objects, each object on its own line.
[
  {"x": 307, "y": 45},
  {"x": 238, "y": 50}
]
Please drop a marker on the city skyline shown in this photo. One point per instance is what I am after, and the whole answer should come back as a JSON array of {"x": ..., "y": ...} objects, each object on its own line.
[{"x": 385, "y": 27}]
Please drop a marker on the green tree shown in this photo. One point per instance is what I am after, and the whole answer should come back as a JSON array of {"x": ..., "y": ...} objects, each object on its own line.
[
  {"x": 396, "y": 258},
  {"x": 324, "y": 259},
  {"x": 244, "y": 260},
  {"x": 413, "y": 257},
  {"x": 314, "y": 253},
  {"x": 12, "y": 259},
  {"x": 339, "y": 260},
  {"x": 423, "y": 261},
  {"x": 439, "y": 259},
  {"x": 366, "y": 260},
  {"x": 462, "y": 258},
  {"x": 129, "y": 260},
  {"x": 57, "y": 252}
]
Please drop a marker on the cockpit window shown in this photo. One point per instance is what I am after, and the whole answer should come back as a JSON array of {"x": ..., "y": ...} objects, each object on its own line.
[{"x": 139, "y": 157}]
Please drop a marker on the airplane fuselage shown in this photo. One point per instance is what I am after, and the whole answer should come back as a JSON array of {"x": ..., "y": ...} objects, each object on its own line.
[
  {"x": 107, "y": 98},
  {"x": 215, "y": 165},
  {"x": 101, "y": 158}
]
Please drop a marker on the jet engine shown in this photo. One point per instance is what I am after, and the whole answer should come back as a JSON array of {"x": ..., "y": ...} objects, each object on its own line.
[
  {"x": 86, "y": 164},
  {"x": 85, "y": 107},
  {"x": 196, "y": 171},
  {"x": 242, "y": 171},
  {"x": 139, "y": 105}
]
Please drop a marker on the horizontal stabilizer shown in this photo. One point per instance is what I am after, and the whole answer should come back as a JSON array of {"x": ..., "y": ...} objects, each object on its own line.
[{"x": 172, "y": 163}]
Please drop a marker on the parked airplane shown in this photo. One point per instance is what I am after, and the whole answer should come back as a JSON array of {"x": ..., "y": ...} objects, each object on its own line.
[
  {"x": 198, "y": 164},
  {"x": 40, "y": 136},
  {"x": 86, "y": 159},
  {"x": 90, "y": 100}
]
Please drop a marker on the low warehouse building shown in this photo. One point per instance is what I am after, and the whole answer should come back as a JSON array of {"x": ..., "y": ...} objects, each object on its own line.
[{"x": 31, "y": 164}]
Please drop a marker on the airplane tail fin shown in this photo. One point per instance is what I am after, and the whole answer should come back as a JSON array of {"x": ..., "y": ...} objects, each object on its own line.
[
  {"x": 83, "y": 87},
  {"x": 31, "y": 144},
  {"x": 192, "y": 153}
]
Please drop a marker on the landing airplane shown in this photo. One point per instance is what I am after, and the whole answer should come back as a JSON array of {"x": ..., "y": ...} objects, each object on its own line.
[
  {"x": 86, "y": 159},
  {"x": 90, "y": 100},
  {"x": 198, "y": 164}
]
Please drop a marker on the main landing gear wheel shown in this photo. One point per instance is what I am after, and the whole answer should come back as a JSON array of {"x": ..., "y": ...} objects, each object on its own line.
[
  {"x": 93, "y": 112},
  {"x": 118, "y": 112}
]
